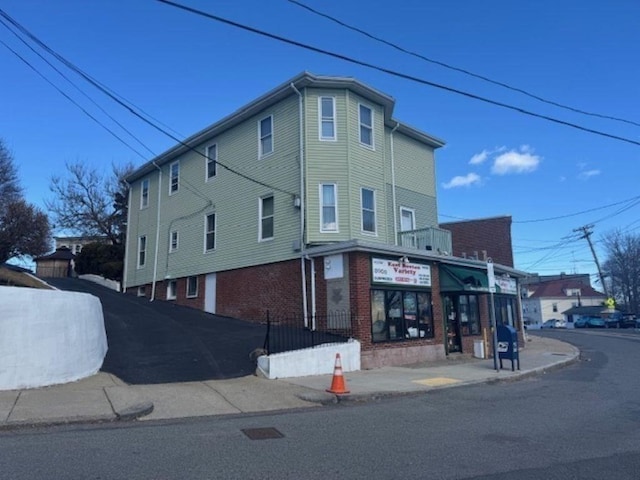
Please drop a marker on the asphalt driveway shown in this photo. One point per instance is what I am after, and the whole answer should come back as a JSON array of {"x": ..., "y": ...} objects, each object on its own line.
[{"x": 160, "y": 342}]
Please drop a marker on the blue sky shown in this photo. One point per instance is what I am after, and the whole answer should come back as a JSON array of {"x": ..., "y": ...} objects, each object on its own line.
[{"x": 188, "y": 72}]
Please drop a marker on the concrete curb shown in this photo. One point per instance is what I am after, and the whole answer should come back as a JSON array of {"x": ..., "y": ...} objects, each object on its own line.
[{"x": 134, "y": 412}]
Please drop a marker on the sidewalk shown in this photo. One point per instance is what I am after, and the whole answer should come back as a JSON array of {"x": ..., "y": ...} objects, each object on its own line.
[{"x": 105, "y": 398}]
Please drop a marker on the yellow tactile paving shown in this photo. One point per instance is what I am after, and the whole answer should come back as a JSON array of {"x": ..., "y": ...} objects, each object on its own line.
[{"x": 437, "y": 381}]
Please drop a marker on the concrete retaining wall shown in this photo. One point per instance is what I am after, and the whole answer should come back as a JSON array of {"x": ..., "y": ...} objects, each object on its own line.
[
  {"x": 49, "y": 337},
  {"x": 318, "y": 360}
]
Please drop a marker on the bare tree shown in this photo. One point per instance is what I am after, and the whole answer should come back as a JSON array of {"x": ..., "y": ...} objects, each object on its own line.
[
  {"x": 89, "y": 204},
  {"x": 24, "y": 228},
  {"x": 622, "y": 266}
]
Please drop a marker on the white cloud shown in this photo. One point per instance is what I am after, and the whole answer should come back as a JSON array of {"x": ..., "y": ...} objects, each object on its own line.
[
  {"x": 589, "y": 173},
  {"x": 463, "y": 181},
  {"x": 479, "y": 158},
  {"x": 514, "y": 161}
]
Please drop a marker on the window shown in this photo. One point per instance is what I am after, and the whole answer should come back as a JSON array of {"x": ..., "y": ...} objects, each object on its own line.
[
  {"x": 77, "y": 249},
  {"x": 144, "y": 194},
  {"x": 172, "y": 289},
  {"x": 210, "y": 232},
  {"x": 554, "y": 307},
  {"x": 469, "y": 314},
  {"x": 266, "y": 218},
  {"x": 366, "y": 126},
  {"x": 174, "y": 182},
  {"x": 368, "y": 202},
  {"x": 400, "y": 315},
  {"x": 192, "y": 287},
  {"x": 327, "y": 110},
  {"x": 212, "y": 159},
  {"x": 506, "y": 306},
  {"x": 142, "y": 251},
  {"x": 173, "y": 241},
  {"x": 328, "y": 208},
  {"x": 142, "y": 291},
  {"x": 266, "y": 136}
]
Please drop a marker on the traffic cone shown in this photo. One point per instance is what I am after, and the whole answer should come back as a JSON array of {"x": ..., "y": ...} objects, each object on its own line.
[{"x": 338, "y": 385}]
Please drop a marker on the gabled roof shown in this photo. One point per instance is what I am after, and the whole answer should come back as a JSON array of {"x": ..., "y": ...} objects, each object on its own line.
[
  {"x": 558, "y": 288},
  {"x": 300, "y": 81},
  {"x": 63, "y": 253}
]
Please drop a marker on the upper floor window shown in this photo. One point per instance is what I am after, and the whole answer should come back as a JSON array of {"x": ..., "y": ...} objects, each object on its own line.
[
  {"x": 327, "y": 108},
  {"x": 365, "y": 115},
  {"x": 210, "y": 232},
  {"x": 174, "y": 177},
  {"x": 144, "y": 193},
  {"x": 408, "y": 223},
  {"x": 212, "y": 160},
  {"x": 192, "y": 287},
  {"x": 368, "y": 201},
  {"x": 266, "y": 218},
  {"x": 265, "y": 135},
  {"x": 328, "y": 208},
  {"x": 554, "y": 307},
  {"x": 142, "y": 250},
  {"x": 173, "y": 241}
]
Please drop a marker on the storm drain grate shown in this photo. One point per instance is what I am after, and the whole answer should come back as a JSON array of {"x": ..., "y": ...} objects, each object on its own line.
[
  {"x": 559, "y": 354},
  {"x": 262, "y": 433}
]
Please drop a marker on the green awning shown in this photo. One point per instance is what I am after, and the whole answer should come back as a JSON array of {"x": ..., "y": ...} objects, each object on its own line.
[{"x": 455, "y": 279}]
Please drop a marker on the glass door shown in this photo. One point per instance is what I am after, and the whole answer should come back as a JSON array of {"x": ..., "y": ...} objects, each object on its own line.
[{"x": 453, "y": 341}]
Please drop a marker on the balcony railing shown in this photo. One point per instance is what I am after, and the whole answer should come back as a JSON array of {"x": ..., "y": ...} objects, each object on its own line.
[{"x": 430, "y": 238}]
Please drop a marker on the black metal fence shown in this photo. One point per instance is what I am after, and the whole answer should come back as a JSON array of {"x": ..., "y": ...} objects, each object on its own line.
[{"x": 287, "y": 333}]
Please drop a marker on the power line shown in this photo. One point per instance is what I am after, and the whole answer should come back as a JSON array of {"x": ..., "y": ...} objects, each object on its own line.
[
  {"x": 396, "y": 73},
  {"x": 457, "y": 69},
  {"x": 636, "y": 198},
  {"x": 132, "y": 108}
]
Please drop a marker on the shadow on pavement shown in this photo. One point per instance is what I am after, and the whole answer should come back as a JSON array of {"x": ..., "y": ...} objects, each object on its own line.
[{"x": 160, "y": 342}]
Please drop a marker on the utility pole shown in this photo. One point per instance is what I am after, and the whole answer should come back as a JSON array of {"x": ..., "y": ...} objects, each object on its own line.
[{"x": 586, "y": 233}]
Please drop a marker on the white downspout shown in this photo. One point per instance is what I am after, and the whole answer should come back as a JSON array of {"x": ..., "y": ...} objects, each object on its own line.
[
  {"x": 393, "y": 187},
  {"x": 123, "y": 287},
  {"x": 303, "y": 262},
  {"x": 313, "y": 294},
  {"x": 155, "y": 260}
]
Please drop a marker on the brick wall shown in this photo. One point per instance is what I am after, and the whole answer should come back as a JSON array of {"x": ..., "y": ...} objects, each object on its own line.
[{"x": 492, "y": 235}]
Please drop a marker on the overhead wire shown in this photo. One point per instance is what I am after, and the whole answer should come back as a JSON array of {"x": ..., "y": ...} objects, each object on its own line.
[
  {"x": 454, "y": 68},
  {"x": 132, "y": 108},
  {"x": 394, "y": 73}
]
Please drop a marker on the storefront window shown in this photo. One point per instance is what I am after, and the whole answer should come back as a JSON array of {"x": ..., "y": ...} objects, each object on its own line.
[
  {"x": 469, "y": 315},
  {"x": 400, "y": 315},
  {"x": 505, "y": 310}
]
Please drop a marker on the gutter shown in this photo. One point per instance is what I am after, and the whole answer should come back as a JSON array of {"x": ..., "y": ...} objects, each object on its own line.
[{"x": 155, "y": 259}]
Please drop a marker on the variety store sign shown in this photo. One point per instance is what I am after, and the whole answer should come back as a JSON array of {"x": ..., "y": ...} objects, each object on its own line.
[{"x": 400, "y": 273}]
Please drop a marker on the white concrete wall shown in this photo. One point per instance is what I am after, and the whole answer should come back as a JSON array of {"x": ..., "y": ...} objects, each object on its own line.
[
  {"x": 318, "y": 360},
  {"x": 105, "y": 282},
  {"x": 49, "y": 337}
]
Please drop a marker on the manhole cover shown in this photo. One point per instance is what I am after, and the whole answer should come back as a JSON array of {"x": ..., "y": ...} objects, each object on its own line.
[{"x": 262, "y": 433}]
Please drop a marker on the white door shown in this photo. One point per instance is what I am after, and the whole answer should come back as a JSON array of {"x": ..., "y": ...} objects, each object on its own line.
[
  {"x": 210, "y": 293},
  {"x": 407, "y": 223}
]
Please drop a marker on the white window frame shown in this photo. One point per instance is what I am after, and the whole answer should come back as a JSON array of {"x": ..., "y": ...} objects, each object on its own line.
[
  {"x": 207, "y": 232},
  {"x": 370, "y": 127},
  {"x": 173, "y": 234},
  {"x": 142, "y": 251},
  {"x": 261, "y": 137},
  {"x": 262, "y": 217},
  {"x": 142, "y": 291},
  {"x": 172, "y": 289},
  {"x": 362, "y": 212},
  {"x": 171, "y": 178},
  {"x": 195, "y": 293},
  {"x": 332, "y": 119},
  {"x": 144, "y": 194},
  {"x": 209, "y": 161},
  {"x": 335, "y": 207}
]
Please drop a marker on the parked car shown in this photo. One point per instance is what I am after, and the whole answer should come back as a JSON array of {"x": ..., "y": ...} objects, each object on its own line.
[
  {"x": 629, "y": 321},
  {"x": 554, "y": 323},
  {"x": 613, "y": 322},
  {"x": 589, "y": 322}
]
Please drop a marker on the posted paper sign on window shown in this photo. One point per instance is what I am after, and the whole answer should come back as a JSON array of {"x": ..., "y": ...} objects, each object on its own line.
[{"x": 400, "y": 273}]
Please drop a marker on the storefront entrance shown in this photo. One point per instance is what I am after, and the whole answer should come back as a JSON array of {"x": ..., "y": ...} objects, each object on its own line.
[{"x": 453, "y": 341}]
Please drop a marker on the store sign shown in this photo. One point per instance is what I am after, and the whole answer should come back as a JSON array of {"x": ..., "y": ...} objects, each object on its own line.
[
  {"x": 400, "y": 273},
  {"x": 507, "y": 285}
]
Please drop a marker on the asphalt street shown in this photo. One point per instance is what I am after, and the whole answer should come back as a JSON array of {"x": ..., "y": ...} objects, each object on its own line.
[{"x": 160, "y": 342}]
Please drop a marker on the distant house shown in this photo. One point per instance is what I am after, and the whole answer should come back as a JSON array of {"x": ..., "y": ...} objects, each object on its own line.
[
  {"x": 57, "y": 264},
  {"x": 549, "y": 299},
  {"x": 75, "y": 244}
]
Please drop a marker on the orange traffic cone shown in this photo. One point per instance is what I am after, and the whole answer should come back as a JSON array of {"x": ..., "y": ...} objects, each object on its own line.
[{"x": 338, "y": 385}]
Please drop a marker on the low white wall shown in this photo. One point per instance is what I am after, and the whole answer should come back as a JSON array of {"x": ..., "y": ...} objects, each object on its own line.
[
  {"x": 49, "y": 337},
  {"x": 318, "y": 360},
  {"x": 105, "y": 282}
]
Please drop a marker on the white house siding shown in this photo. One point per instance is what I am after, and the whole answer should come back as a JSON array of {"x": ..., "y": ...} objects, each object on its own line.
[{"x": 233, "y": 199}]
